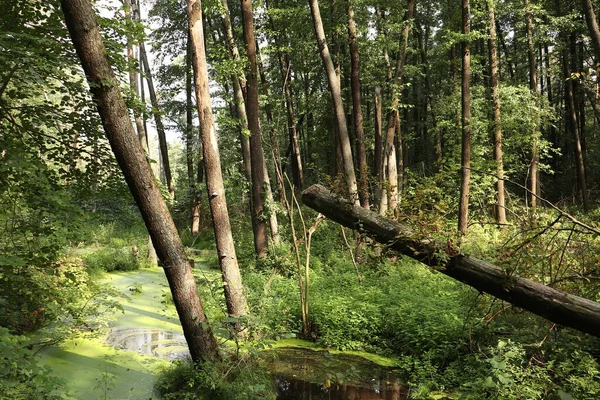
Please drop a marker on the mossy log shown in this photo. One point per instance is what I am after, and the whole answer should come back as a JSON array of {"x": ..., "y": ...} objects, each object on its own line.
[{"x": 554, "y": 305}]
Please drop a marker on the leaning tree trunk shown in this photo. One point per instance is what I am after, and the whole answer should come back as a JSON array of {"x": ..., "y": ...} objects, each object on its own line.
[
  {"x": 357, "y": 116},
  {"x": 592, "y": 23},
  {"x": 338, "y": 106},
  {"x": 160, "y": 129},
  {"x": 85, "y": 33},
  {"x": 554, "y": 305},
  {"x": 259, "y": 223},
  {"x": 493, "y": 56},
  {"x": 232, "y": 281},
  {"x": 463, "y": 212}
]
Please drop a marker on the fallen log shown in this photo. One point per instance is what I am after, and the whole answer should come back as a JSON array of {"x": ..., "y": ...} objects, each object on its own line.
[{"x": 554, "y": 305}]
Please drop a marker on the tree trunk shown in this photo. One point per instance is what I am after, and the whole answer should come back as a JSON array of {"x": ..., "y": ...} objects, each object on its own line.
[
  {"x": 554, "y": 305},
  {"x": 133, "y": 75},
  {"x": 160, "y": 129},
  {"x": 463, "y": 212},
  {"x": 256, "y": 153},
  {"x": 378, "y": 157},
  {"x": 189, "y": 142},
  {"x": 232, "y": 281},
  {"x": 336, "y": 97},
  {"x": 592, "y": 23},
  {"x": 535, "y": 151},
  {"x": 574, "y": 125},
  {"x": 238, "y": 96},
  {"x": 359, "y": 132},
  {"x": 286, "y": 75},
  {"x": 393, "y": 184},
  {"x": 85, "y": 33},
  {"x": 493, "y": 56}
]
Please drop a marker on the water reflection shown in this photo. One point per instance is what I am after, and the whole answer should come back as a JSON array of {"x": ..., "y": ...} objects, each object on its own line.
[
  {"x": 314, "y": 375},
  {"x": 169, "y": 345},
  {"x": 295, "y": 389}
]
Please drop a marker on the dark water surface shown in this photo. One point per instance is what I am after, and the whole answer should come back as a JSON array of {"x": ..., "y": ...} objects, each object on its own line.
[{"x": 318, "y": 375}]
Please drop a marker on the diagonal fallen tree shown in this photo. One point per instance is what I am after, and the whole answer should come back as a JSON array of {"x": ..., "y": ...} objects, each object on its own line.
[{"x": 556, "y": 306}]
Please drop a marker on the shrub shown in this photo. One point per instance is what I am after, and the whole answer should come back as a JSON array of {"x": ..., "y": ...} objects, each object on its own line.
[
  {"x": 112, "y": 259},
  {"x": 21, "y": 378},
  {"x": 240, "y": 380}
]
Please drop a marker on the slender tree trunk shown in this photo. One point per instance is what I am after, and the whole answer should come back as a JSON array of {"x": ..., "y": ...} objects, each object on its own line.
[
  {"x": 378, "y": 157},
  {"x": 256, "y": 152},
  {"x": 493, "y": 56},
  {"x": 535, "y": 151},
  {"x": 160, "y": 129},
  {"x": 336, "y": 97},
  {"x": 232, "y": 281},
  {"x": 359, "y": 132},
  {"x": 137, "y": 90},
  {"x": 189, "y": 142},
  {"x": 273, "y": 223},
  {"x": 393, "y": 184},
  {"x": 133, "y": 75},
  {"x": 85, "y": 33},
  {"x": 463, "y": 212},
  {"x": 286, "y": 76},
  {"x": 238, "y": 95},
  {"x": 574, "y": 125}
]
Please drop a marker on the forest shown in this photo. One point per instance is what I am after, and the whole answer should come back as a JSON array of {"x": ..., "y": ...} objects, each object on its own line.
[{"x": 276, "y": 199}]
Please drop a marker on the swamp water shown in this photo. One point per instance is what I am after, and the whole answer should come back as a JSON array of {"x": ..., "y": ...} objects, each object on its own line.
[{"x": 123, "y": 363}]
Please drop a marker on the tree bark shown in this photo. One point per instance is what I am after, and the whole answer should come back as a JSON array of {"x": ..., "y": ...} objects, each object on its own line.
[
  {"x": 575, "y": 128},
  {"x": 232, "y": 281},
  {"x": 463, "y": 212},
  {"x": 535, "y": 151},
  {"x": 493, "y": 56},
  {"x": 557, "y": 306},
  {"x": 592, "y": 23},
  {"x": 394, "y": 183},
  {"x": 160, "y": 129},
  {"x": 256, "y": 153},
  {"x": 357, "y": 115},
  {"x": 336, "y": 97},
  {"x": 189, "y": 142},
  {"x": 378, "y": 162},
  {"x": 85, "y": 33},
  {"x": 297, "y": 170}
]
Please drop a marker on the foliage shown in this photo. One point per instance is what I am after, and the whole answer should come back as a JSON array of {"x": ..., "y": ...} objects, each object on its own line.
[
  {"x": 21, "y": 378},
  {"x": 112, "y": 259},
  {"x": 227, "y": 380}
]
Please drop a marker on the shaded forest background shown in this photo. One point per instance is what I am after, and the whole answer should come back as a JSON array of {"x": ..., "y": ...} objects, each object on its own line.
[{"x": 384, "y": 121}]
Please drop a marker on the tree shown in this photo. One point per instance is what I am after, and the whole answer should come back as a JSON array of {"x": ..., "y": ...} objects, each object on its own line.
[
  {"x": 357, "y": 115},
  {"x": 463, "y": 212},
  {"x": 592, "y": 23},
  {"x": 336, "y": 97},
  {"x": 232, "y": 281},
  {"x": 554, "y": 305},
  {"x": 497, "y": 124},
  {"x": 533, "y": 86},
  {"x": 160, "y": 129},
  {"x": 393, "y": 156},
  {"x": 259, "y": 224},
  {"x": 85, "y": 34}
]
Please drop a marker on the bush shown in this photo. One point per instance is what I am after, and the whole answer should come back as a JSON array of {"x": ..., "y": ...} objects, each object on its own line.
[
  {"x": 112, "y": 259},
  {"x": 21, "y": 378},
  {"x": 240, "y": 380}
]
